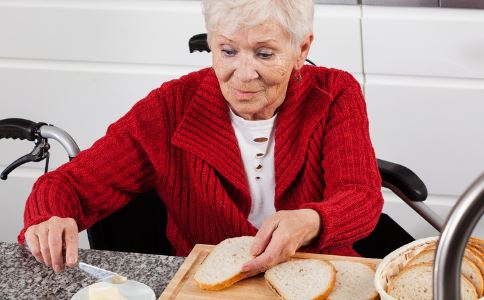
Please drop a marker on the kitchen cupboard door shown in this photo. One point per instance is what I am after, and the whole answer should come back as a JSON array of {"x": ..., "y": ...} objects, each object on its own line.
[
  {"x": 434, "y": 126},
  {"x": 438, "y": 42}
]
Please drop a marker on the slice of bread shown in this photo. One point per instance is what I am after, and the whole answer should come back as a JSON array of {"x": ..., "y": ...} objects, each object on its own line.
[
  {"x": 302, "y": 279},
  {"x": 415, "y": 283},
  {"x": 223, "y": 266},
  {"x": 469, "y": 269},
  {"x": 354, "y": 281}
]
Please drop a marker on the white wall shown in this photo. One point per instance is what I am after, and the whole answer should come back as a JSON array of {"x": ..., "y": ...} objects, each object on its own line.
[{"x": 82, "y": 64}]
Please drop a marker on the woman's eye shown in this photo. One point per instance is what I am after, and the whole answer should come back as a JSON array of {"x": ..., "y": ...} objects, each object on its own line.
[
  {"x": 265, "y": 54},
  {"x": 229, "y": 52}
]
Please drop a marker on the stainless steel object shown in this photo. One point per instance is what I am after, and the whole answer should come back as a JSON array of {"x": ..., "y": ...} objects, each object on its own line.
[
  {"x": 101, "y": 274},
  {"x": 451, "y": 245},
  {"x": 49, "y": 131}
]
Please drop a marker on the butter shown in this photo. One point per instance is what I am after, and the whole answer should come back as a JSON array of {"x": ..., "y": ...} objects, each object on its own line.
[{"x": 104, "y": 291}]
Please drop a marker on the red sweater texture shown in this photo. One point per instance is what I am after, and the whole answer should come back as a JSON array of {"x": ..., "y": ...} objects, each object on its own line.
[{"x": 180, "y": 141}]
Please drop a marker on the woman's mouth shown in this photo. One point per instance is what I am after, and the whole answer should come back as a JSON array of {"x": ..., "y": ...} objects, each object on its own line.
[{"x": 245, "y": 94}]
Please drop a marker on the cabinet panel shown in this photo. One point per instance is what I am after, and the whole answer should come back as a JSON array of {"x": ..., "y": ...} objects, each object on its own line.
[
  {"x": 151, "y": 32},
  {"x": 432, "y": 126},
  {"x": 423, "y": 41},
  {"x": 337, "y": 37},
  {"x": 83, "y": 101}
]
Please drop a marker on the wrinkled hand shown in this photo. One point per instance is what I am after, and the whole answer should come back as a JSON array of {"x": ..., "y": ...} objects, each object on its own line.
[
  {"x": 280, "y": 237},
  {"x": 48, "y": 240}
]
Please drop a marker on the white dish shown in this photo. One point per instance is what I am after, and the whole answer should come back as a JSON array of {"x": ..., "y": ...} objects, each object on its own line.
[{"x": 132, "y": 290}]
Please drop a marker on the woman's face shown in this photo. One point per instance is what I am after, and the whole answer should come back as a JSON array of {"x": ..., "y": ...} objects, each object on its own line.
[{"x": 253, "y": 67}]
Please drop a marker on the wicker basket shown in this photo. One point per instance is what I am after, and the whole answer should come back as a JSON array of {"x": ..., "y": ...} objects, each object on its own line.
[{"x": 394, "y": 262}]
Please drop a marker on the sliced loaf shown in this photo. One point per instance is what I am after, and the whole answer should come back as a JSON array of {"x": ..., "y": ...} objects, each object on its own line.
[
  {"x": 302, "y": 279},
  {"x": 469, "y": 269},
  {"x": 354, "y": 281},
  {"x": 415, "y": 283},
  {"x": 223, "y": 266}
]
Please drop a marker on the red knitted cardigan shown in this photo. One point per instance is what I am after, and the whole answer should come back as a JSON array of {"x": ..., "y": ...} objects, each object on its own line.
[{"x": 179, "y": 140}]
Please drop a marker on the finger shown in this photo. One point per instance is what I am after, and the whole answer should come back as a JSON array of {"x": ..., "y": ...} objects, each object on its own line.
[
  {"x": 55, "y": 245},
  {"x": 42, "y": 233},
  {"x": 257, "y": 265},
  {"x": 263, "y": 236},
  {"x": 71, "y": 239},
  {"x": 267, "y": 259},
  {"x": 279, "y": 249},
  {"x": 32, "y": 242}
]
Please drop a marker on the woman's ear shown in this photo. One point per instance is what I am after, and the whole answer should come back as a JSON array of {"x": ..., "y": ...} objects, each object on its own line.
[{"x": 304, "y": 50}]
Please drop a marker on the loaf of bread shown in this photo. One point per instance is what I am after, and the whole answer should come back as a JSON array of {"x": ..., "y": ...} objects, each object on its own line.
[
  {"x": 354, "y": 281},
  {"x": 223, "y": 266},
  {"x": 471, "y": 252},
  {"x": 302, "y": 279},
  {"x": 415, "y": 283}
]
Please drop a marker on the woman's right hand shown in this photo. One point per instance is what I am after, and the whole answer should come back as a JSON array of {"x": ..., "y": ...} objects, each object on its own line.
[{"x": 48, "y": 240}]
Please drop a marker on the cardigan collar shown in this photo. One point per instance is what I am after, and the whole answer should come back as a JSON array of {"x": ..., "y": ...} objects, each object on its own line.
[{"x": 206, "y": 130}]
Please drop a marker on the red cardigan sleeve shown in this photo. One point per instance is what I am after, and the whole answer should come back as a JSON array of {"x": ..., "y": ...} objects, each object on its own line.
[
  {"x": 352, "y": 200},
  {"x": 103, "y": 178}
]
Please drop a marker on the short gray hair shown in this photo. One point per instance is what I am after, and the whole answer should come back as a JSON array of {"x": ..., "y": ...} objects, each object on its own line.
[{"x": 295, "y": 16}]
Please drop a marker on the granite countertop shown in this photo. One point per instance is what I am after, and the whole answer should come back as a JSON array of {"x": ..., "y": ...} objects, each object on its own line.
[{"x": 22, "y": 277}]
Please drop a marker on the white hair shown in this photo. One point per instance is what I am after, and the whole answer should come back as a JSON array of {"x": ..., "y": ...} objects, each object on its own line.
[{"x": 295, "y": 16}]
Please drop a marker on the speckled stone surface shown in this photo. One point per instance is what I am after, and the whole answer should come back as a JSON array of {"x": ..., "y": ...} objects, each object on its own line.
[{"x": 22, "y": 277}]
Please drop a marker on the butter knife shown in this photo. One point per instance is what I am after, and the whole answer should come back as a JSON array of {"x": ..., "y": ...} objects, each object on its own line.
[{"x": 101, "y": 274}]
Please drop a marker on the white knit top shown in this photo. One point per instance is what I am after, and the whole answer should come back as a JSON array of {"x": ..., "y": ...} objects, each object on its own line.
[{"x": 256, "y": 143}]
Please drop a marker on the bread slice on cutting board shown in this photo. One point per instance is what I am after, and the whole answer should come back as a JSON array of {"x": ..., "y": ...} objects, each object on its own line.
[
  {"x": 223, "y": 266},
  {"x": 354, "y": 281},
  {"x": 415, "y": 283},
  {"x": 302, "y": 279}
]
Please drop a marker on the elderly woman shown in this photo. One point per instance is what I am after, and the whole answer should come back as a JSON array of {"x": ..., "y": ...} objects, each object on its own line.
[{"x": 258, "y": 144}]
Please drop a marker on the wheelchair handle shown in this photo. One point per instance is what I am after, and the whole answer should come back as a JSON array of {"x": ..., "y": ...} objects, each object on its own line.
[
  {"x": 198, "y": 42},
  {"x": 15, "y": 128},
  {"x": 39, "y": 133},
  {"x": 61, "y": 136}
]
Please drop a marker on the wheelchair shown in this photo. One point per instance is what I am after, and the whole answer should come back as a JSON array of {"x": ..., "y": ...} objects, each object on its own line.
[{"x": 140, "y": 225}]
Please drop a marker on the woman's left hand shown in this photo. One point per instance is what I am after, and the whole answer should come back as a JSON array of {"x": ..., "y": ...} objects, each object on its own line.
[{"x": 280, "y": 236}]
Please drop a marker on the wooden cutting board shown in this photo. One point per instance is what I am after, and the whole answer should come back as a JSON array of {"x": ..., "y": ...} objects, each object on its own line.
[{"x": 183, "y": 286}]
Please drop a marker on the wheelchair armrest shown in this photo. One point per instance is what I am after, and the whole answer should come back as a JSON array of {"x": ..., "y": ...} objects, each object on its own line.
[{"x": 400, "y": 177}]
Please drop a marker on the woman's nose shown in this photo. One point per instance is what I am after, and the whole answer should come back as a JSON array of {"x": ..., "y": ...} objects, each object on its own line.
[{"x": 246, "y": 70}]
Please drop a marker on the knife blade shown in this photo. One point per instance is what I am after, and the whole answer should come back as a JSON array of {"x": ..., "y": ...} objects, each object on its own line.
[{"x": 101, "y": 274}]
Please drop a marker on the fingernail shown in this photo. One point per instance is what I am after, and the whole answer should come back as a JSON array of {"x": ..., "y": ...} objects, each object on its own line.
[
  {"x": 71, "y": 261},
  {"x": 57, "y": 268}
]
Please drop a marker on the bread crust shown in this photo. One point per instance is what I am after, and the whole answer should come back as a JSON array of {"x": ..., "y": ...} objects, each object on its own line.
[
  {"x": 391, "y": 284},
  {"x": 221, "y": 285},
  {"x": 322, "y": 296},
  {"x": 473, "y": 261}
]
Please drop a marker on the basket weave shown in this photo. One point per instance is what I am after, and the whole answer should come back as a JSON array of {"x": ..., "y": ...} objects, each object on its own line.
[{"x": 394, "y": 262}]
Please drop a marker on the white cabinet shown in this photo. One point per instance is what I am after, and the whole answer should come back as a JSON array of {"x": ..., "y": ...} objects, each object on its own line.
[
  {"x": 424, "y": 85},
  {"x": 434, "y": 42}
]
